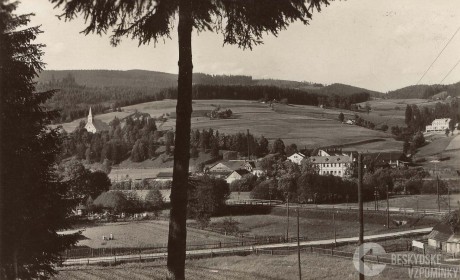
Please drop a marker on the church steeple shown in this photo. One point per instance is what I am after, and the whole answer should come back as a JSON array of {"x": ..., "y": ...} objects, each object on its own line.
[{"x": 90, "y": 116}]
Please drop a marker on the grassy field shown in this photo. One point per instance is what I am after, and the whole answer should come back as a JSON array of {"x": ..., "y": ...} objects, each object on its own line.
[
  {"x": 304, "y": 125},
  {"x": 423, "y": 201},
  {"x": 261, "y": 267},
  {"x": 145, "y": 233},
  {"x": 313, "y": 228}
]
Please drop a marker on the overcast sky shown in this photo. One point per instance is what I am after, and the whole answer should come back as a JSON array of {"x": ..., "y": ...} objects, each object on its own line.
[{"x": 375, "y": 44}]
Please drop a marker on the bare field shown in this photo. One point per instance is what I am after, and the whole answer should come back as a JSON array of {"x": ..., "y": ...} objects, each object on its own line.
[
  {"x": 144, "y": 233},
  {"x": 238, "y": 267}
]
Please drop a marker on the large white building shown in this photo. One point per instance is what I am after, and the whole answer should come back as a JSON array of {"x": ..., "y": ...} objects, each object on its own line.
[
  {"x": 438, "y": 125},
  {"x": 336, "y": 165}
]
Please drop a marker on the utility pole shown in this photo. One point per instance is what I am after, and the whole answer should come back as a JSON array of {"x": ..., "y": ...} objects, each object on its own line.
[
  {"x": 388, "y": 210},
  {"x": 437, "y": 189},
  {"x": 298, "y": 244},
  {"x": 249, "y": 157},
  {"x": 287, "y": 213},
  {"x": 335, "y": 231},
  {"x": 361, "y": 215},
  {"x": 448, "y": 197}
]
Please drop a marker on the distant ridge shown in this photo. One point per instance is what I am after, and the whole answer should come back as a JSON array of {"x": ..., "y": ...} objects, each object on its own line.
[
  {"x": 159, "y": 80},
  {"x": 424, "y": 91}
]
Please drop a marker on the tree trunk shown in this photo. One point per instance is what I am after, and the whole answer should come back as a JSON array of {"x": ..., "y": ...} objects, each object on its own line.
[{"x": 177, "y": 224}]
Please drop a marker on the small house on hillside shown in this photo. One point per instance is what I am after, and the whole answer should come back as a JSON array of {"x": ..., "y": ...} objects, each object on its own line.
[
  {"x": 296, "y": 158},
  {"x": 439, "y": 235},
  {"x": 236, "y": 175}
]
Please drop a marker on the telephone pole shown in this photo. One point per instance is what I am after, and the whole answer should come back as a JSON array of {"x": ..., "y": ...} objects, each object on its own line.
[
  {"x": 361, "y": 214},
  {"x": 388, "y": 210},
  {"x": 298, "y": 244},
  {"x": 287, "y": 213}
]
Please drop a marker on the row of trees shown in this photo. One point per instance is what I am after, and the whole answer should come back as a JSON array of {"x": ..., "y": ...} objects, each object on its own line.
[{"x": 294, "y": 96}]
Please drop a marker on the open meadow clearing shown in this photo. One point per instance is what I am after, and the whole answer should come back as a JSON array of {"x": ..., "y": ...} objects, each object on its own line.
[
  {"x": 421, "y": 201},
  {"x": 313, "y": 228},
  {"x": 142, "y": 234},
  {"x": 306, "y": 126},
  {"x": 238, "y": 267}
]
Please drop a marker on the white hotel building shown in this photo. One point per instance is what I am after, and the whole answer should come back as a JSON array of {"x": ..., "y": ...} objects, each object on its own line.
[{"x": 438, "y": 125}]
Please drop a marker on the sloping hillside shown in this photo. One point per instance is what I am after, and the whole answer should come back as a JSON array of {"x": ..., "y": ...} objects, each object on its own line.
[
  {"x": 424, "y": 91},
  {"x": 342, "y": 89}
]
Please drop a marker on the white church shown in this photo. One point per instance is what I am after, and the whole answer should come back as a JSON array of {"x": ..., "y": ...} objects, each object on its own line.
[{"x": 95, "y": 125}]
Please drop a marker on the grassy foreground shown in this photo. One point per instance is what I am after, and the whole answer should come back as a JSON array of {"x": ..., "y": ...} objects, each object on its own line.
[{"x": 237, "y": 267}]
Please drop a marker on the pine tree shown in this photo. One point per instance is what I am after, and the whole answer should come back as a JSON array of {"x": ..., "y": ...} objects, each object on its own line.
[
  {"x": 34, "y": 204},
  {"x": 242, "y": 23}
]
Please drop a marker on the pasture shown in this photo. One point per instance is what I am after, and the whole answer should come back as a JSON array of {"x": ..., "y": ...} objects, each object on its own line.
[
  {"x": 143, "y": 233},
  {"x": 422, "y": 201},
  {"x": 311, "y": 226},
  {"x": 237, "y": 267},
  {"x": 306, "y": 126}
]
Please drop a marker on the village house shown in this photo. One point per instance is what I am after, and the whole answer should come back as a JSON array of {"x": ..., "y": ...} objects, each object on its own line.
[
  {"x": 226, "y": 168},
  {"x": 439, "y": 235},
  {"x": 296, "y": 158},
  {"x": 95, "y": 125},
  {"x": 236, "y": 175},
  {"x": 438, "y": 125},
  {"x": 164, "y": 177},
  {"x": 387, "y": 159}
]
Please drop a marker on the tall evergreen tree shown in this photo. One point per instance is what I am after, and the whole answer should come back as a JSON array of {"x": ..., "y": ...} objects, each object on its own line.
[
  {"x": 34, "y": 205},
  {"x": 242, "y": 23}
]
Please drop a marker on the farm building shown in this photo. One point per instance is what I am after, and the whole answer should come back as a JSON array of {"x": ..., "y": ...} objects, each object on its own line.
[
  {"x": 296, "y": 158},
  {"x": 236, "y": 175},
  {"x": 332, "y": 165},
  {"x": 94, "y": 125},
  {"x": 438, "y": 125},
  {"x": 387, "y": 159},
  {"x": 439, "y": 235},
  {"x": 225, "y": 168},
  {"x": 164, "y": 176}
]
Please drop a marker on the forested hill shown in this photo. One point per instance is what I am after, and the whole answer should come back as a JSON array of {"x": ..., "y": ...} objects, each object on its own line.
[
  {"x": 105, "y": 90},
  {"x": 424, "y": 91},
  {"x": 159, "y": 80}
]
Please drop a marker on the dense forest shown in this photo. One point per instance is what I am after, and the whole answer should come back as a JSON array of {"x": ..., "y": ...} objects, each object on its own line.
[
  {"x": 106, "y": 90},
  {"x": 138, "y": 139}
]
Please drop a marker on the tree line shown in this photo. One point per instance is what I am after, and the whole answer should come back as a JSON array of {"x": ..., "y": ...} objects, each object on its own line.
[{"x": 73, "y": 99}]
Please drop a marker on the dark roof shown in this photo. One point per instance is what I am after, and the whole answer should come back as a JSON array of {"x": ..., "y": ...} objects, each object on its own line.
[
  {"x": 385, "y": 156},
  {"x": 242, "y": 172},
  {"x": 441, "y": 232},
  {"x": 164, "y": 175},
  {"x": 100, "y": 125},
  {"x": 330, "y": 159}
]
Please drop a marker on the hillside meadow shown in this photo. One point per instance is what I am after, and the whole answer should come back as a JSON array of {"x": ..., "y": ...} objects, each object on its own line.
[{"x": 306, "y": 126}]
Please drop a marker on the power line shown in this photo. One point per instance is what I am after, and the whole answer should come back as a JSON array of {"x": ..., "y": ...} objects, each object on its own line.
[
  {"x": 448, "y": 42},
  {"x": 452, "y": 69}
]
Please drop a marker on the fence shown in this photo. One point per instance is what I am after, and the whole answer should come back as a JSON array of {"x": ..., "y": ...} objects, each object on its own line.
[
  {"x": 123, "y": 251},
  {"x": 379, "y": 259}
]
